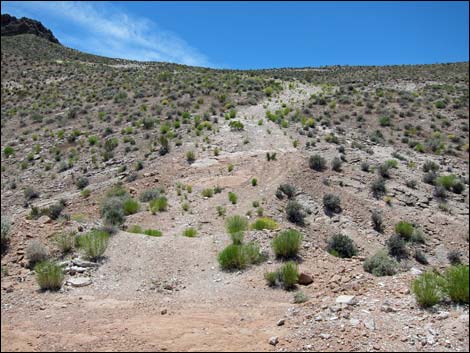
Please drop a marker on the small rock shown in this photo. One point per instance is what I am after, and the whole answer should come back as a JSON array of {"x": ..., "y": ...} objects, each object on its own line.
[
  {"x": 44, "y": 219},
  {"x": 164, "y": 312},
  {"x": 305, "y": 279},
  {"x": 415, "y": 271},
  {"x": 346, "y": 299},
  {"x": 354, "y": 322},
  {"x": 281, "y": 322},
  {"x": 370, "y": 324},
  {"x": 79, "y": 281},
  {"x": 83, "y": 263},
  {"x": 443, "y": 315},
  {"x": 325, "y": 336},
  {"x": 273, "y": 341}
]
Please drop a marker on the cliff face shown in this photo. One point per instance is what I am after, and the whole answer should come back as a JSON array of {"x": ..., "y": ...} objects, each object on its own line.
[{"x": 12, "y": 26}]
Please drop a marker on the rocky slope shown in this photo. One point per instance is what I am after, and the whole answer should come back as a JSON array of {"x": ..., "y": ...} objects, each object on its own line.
[{"x": 12, "y": 26}]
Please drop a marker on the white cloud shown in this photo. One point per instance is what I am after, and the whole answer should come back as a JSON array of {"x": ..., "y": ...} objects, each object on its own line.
[{"x": 108, "y": 31}]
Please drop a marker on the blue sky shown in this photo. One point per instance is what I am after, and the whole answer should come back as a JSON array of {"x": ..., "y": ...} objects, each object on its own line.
[{"x": 245, "y": 35}]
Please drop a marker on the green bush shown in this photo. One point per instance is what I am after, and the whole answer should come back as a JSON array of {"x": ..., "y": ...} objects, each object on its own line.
[
  {"x": 94, "y": 244},
  {"x": 427, "y": 289},
  {"x": 289, "y": 275},
  {"x": 237, "y": 238},
  {"x": 153, "y": 232},
  {"x": 295, "y": 213},
  {"x": 253, "y": 253},
  {"x": 316, "y": 162},
  {"x": 135, "y": 229},
  {"x": 264, "y": 223},
  {"x": 341, "y": 246},
  {"x": 336, "y": 164},
  {"x": 456, "y": 284},
  {"x": 130, "y": 206},
  {"x": 233, "y": 257},
  {"x": 8, "y": 151},
  {"x": 287, "y": 243},
  {"x": 380, "y": 264},
  {"x": 190, "y": 157},
  {"x": 430, "y": 166},
  {"x": 271, "y": 278},
  {"x": 207, "y": 192},
  {"x": 447, "y": 181},
  {"x": 254, "y": 182},
  {"x": 232, "y": 197},
  {"x": 236, "y": 224},
  {"x": 190, "y": 232},
  {"x": 158, "y": 205},
  {"x": 49, "y": 275},
  {"x": 404, "y": 229},
  {"x": 65, "y": 241}
]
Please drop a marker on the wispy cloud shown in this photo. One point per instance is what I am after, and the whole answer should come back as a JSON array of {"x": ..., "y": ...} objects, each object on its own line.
[{"x": 108, "y": 31}]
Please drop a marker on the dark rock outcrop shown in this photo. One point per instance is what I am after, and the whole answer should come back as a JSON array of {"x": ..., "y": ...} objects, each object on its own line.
[{"x": 12, "y": 26}]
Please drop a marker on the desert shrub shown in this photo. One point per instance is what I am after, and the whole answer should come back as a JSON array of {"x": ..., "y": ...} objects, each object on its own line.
[
  {"x": 135, "y": 229},
  {"x": 264, "y": 223},
  {"x": 377, "y": 221},
  {"x": 295, "y": 213},
  {"x": 130, "y": 206},
  {"x": 153, "y": 232},
  {"x": 316, "y": 162},
  {"x": 397, "y": 247},
  {"x": 430, "y": 166},
  {"x": 85, "y": 193},
  {"x": 446, "y": 181},
  {"x": 94, "y": 244},
  {"x": 190, "y": 157},
  {"x": 288, "y": 190},
  {"x": 336, "y": 164},
  {"x": 287, "y": 244},
  {"x": 253, "y": 253},
  {"x": 236, "y": 125},
  {"x": 5, "y": 233},
  {"x": 117, "y": 190},
  {"x": 458, "y": 187},
  {"x": 418, "y": 236},
  {"x": 82, "y": 183},
  {"x": 149, "y": 195},
  {"x": 30, "y": 193},
  {"x": 430, "y": 177},
  {"x": 112, "y": 211},
  {"x": 300, "y": 297},
  {"x": 233, "y": 257},
  {"x": 190, "y": 232},
  {"x": 8, "y": 151},
  {"x": 254, "y": 182},
  {"x": 421, "y": 257},
  {"x": 271, "y": 156},
  {"x": 55, "y": 210},
  {"x": 65, "y": 241},
  {"x": 221, "y": 211},
  {"x": 332, "y": 203},
  {"x": 207, "y": 192},
  {"x": 384, "y": 170},
  {"x": 236, "y": 224},
  {"x": 341, "y": 246},
  {"x": 378, "y": 188},
  {"x": 232, "y": 197},
  {"x": 36, "y": 252},
  {"x": 237, "y": 238},
  {"x": 440, "y": 192},
  {"x": 454, "y": 257},
  {"x": 365, "y": 166},
  {"x": 411, "y": 184},
  {"x": 289, "y": 275},
  {"x": 404, "y": 229},
  {"x": 427, "y": 289},
  {"x": 271, "y": 278},
  {"x": 49, "y": 275},
  {"x": 158, "y": 205},
  {"x": 440, "y": 104},
  {"x": 380, "y": 264},
  {"x": 456, "y": 284}
]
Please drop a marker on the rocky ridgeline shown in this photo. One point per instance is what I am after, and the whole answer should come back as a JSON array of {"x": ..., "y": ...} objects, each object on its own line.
[{"x": 12, "y": 26}]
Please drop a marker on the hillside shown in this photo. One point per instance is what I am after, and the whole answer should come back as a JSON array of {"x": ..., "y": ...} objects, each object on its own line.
[{"x": 92, "y": 144}]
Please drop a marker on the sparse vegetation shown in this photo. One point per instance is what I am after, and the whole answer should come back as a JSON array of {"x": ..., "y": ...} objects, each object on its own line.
[{"x": 49, "y": 275}]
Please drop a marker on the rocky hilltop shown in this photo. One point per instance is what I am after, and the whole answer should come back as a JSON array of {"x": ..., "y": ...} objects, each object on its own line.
[{"x": 12, "y": 26}]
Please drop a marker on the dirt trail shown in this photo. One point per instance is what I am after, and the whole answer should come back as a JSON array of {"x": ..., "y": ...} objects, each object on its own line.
[{"x": 207, "y": 309}]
